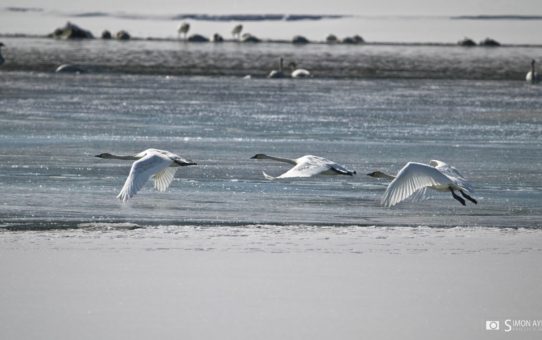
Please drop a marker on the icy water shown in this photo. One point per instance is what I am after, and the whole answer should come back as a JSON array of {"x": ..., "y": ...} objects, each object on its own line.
[{"x": 52, "y": 125}]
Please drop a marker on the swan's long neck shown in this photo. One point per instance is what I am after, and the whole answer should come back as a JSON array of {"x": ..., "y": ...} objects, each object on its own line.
[
  {"x": 380, "y": 174},
  {"x": 124, "y": 158},
  {"x": 533, "y": 72},
  {"x": 281, "y": 67},
  {"x": 279, "y": 159}
]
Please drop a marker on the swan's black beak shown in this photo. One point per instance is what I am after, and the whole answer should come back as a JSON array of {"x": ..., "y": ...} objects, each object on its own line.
[
  {"x": 372, "y": 174},
  {"x": 185, "y": 162}
]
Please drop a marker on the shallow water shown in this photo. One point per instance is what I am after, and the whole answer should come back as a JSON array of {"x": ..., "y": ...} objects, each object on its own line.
[
  {"x": 236, "y": 59},
  {"x": 52, "y": 125}
]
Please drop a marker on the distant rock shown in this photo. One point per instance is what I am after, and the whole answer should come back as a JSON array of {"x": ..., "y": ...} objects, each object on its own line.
[
  {"x": 198, "y": 38},
  {"x": 69, "y": 68},
  {"x": 332, "y": 39},
  {"x": 217, "y": 38},
  {"x": 299, "y": 39},
  {"x": 249, "y": 38},
  {"x": 106, "y": 35},
  {"x": 489, "y": 42},
  {"x": 122, "y": 35},
  {"x": 71, "y": 31},
  {"x": 353, "y": 40},
  {"x": 466, "y": 42}
]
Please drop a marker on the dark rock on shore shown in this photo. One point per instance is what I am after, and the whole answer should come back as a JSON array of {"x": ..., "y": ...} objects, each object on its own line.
[
  {"x": 122, "y": 35},
  {"x": 249, "y": 38},
  {"x": 197, "y": 38},
  {"x": 71, "y": 31},
  {"x": 218, "y": 38},
  {"x": 467, "y": 42},
  {"x": 332, "y": 39},
  {"x": 106, "y": 35},
  {"x": 353, "y": 40},
  {"x": 299, "y": 39},
  {"x": 488, "y": 42}
]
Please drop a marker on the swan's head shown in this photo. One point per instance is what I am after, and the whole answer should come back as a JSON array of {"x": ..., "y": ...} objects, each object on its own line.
[
  {"x": 259, "y": 156},
  {"x": 104, "y": 155},
  {"x": 292, "y": 65},
  {"x": 377, "y": 174}
]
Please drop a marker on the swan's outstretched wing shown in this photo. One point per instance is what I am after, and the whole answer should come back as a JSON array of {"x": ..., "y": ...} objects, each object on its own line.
[
  {"x": 140, "y": 173},
  {"x": 163, "y": 179},
  {"x": 455, "y": 176},
  {"x": 411, "y": 178}
]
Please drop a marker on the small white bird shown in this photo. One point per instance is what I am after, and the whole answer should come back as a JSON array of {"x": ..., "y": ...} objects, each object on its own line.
[
  {"x": 532, "y": 76},
  {"x": 1, "y": 57},
  {"x": 183, "y": 29},
  {"x": 158, "y": 164},
  {"x": 299, "y": 72},
  {"x": 236, "y": 32},
  {"x": 417, "y": 176},
  {"x": 307, "y": 166}
]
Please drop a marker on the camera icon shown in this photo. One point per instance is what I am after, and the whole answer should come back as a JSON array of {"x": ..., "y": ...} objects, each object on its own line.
[{"x": 492, "y": 325}]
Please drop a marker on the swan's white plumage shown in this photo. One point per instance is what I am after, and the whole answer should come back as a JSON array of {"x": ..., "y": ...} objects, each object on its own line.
[
  {"x": 309, "y": 165},
  {"x": 417, "y": 176},
  {"x": 152, "y": 164},
  {"x": 300, "y": 73}
]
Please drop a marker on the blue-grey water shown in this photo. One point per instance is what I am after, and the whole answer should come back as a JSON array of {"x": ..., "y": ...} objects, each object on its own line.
[{"x": 52, "y": 125}]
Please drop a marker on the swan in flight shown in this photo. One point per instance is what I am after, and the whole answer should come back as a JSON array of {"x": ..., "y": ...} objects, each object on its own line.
[
  {"x": 277, "y": 74},
  {"x": 417, "y": 176},
  {"x": 236, "y": 32},
  {"x": 183, "y": 29},
  {"x": 299, "y": 72},
  {"x": 158, "y": 164},
  {"x": 307, "y": 166},
  {"x": 532, "y": 76},
  {"x": 1, "y": 57}
]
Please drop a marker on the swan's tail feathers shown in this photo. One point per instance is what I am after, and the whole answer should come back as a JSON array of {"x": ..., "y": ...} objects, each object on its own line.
[{"x": 268, "y": 176}]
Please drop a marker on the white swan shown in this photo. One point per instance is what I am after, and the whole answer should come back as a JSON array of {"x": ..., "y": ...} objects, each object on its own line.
[
  {"x": 183, "y": 29},
  {"x": 299, "y": 72},
  {"x": 532, "y": 76},
  {"x": 1, "y": 57},
  {"x": 307, "y": 166},
  {"x": 277, "y": 74},
  {"x": 159, "y": 164},
  {"x": 236, "y": 32},
  {"x": 417, "y": 176}
]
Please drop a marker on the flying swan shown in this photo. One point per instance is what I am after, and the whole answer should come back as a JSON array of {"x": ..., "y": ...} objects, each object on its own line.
[
  {"x": 414, "y": 177},
  {"x": 158, "y": 164},
  {"x": 307, "y": 166}
]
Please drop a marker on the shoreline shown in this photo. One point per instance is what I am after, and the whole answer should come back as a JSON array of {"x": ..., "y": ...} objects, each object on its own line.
[{"x": 274, "y": 41}]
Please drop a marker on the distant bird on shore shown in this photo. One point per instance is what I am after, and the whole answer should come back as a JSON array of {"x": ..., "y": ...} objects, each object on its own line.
[
  {"x": 532, "y": 76},
  {"x": 277, "y": 74},
  {"x": 69, "y": 68},
  {"x": 183, "y": 29},
  {"x": 299, "y": 72},
  {"x": 414, "y": 177},
  {"x": 307, "y": 166},
  {"x": 236, "y": 32},
  {"x": 1, "y": 57},
  {"x": 158, "y": 164}
]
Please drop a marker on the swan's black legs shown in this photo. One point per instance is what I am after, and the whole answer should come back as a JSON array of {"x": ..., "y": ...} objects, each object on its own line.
[
  {"x": 468, "y": 197},
  {"x": 462, "y": 201}
]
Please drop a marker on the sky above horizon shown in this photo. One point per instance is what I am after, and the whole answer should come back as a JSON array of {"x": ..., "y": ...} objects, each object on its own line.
[{"x": 355, "y": 7}]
